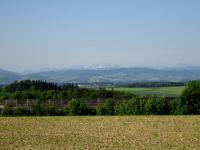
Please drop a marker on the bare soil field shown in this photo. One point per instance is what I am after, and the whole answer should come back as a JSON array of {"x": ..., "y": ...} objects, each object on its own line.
[{"x": 113, "y": 132}]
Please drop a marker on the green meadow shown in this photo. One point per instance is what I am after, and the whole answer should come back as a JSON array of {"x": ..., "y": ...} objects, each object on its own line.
[{"x": 158, "y": 91}]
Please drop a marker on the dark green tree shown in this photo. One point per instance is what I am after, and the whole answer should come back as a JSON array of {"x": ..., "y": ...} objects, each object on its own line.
[
  {"x": 155, "y": 106},
  {"x": 106, "y": 108},
  {"x": 190, "y": 98},
  {"x": 76, "y": 108}
]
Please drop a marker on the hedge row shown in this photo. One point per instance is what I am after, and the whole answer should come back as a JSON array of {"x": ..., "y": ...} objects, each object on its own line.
[{"x": 152, "y": 106}]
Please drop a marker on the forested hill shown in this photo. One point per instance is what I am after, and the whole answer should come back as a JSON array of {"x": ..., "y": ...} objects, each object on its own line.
[
  {"x": 7, "y": 77},
  {"x": 118, "y": 75}
]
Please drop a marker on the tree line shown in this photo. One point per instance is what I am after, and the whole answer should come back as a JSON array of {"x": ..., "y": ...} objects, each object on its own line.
[
  {"x": 188, "y": 103},
  {"x": 43, "y": 90},
  {"x": 150, "y": 84}
]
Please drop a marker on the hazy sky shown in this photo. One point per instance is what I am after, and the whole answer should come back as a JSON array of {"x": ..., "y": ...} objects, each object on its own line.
[{"x": 61, "y": 33}]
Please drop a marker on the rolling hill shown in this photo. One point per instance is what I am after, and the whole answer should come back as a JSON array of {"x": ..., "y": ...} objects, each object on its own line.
[
  {"x": 106, "y": 75},
  {"x": 117, "y": 75},
  {"x": 7, "y": 77}
]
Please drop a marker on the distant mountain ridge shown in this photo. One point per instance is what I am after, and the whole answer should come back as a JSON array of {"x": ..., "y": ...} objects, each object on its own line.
[
  {"x": 7, "y": 77},
  {"x": 106, "y": 74}
]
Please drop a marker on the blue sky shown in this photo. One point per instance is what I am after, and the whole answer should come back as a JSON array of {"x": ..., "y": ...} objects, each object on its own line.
[{"x": 61, "y": 33}]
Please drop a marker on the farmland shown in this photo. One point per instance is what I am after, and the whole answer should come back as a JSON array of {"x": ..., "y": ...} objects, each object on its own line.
[
  {"x": 117, "y": 132},
  {"x": 158, "y": 91}
]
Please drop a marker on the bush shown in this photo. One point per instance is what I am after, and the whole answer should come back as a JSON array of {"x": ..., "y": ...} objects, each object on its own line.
[
  {"x": 21, "y": 112},
  {"x": 155, "y": 106},
  {"x": 134, "y": 106},
  {"x": 106, "y": 108},
  {"x": 175, "y": 108},
  {"x": 120, "y": 109},
  {"x": 53, "y": 111},
  {"x": 39, "y": 110},
  {"x": 77, "y": 108},
  {"x": 7, "y": 111}
]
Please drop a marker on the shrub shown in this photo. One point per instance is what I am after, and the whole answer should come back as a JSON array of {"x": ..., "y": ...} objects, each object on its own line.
[
  {"x": 7, "y": 111},
  {"x": 120, "y": 109},
  {"x": 106, "y": 108},
  {"x": 39, "y": 110},
  {"x": 134, "y": 107},
  {"x": 175, "y": 108},
  {"x": 53, "y": 111},
  {"x": 21, "y": 112},
  {"x": 156, "y": 106},
  {"x": 76, "y": 107}
]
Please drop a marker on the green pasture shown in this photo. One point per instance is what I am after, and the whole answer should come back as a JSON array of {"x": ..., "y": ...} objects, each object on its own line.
[{"x": 158, "y": 91}]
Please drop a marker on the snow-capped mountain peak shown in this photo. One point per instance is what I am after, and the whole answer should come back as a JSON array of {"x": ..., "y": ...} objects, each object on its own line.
[{"x": 95, "y": 67}]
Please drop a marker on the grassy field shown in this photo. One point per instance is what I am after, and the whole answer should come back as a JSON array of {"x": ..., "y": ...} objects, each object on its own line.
[
  {"x": 131, "y": 132},
  {"x": 160, "y": 91}
]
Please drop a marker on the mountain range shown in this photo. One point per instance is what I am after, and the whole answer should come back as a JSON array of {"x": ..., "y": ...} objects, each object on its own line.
[
  {"x": 8, "y": 76},
  {"x": 105, "y": 73}
]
